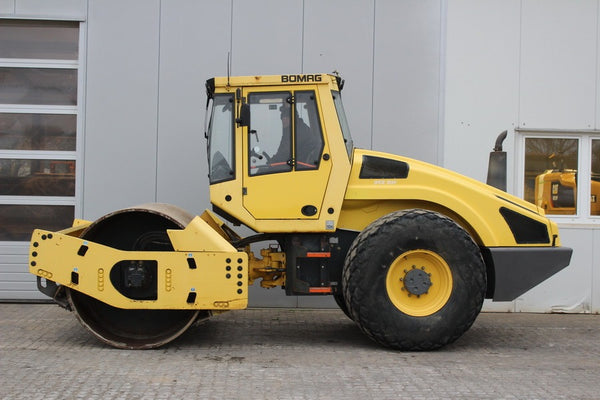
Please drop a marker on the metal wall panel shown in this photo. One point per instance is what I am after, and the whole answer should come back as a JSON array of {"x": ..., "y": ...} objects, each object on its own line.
[
  {"x": 54, "y": 8},
  {"x": 121, "y": 105},
  {"x": 595, "y": 262},
  {"x": 558, "y": 64},
  {"x": 190, "y": 53},
  {"x": 7, "y": 6},
  {"x": 266, "y": 37},
  {"x": 482, "y": 82},
  {"x": 407, "y": 79},
  {"x": 16, "y": 283},
  {"x": 597, "y": 108},
  {"x": 345, "y": 46}
]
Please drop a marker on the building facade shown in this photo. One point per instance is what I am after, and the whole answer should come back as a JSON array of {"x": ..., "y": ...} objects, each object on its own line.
[{"x": 102, "y": 106}]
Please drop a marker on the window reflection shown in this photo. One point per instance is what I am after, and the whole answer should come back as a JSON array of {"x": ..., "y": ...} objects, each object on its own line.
[
  {"x": 25, "y": 177},
  {"x": 307, "y": 130},
  {"x": 56, "y": 40},
  {"x": 37, "y": 131},
  {"x": 551, "y": 174},
  {"x": 39, "y": 75},
  {"x": 221, "y": 140},
  {"x": 17, "y": 222},
  {"x": 38, "y": 86},
  {"x": 270, "y": 133}
]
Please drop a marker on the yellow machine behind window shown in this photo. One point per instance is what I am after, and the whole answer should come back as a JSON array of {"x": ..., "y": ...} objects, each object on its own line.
[{"x": 556, "y": 192}]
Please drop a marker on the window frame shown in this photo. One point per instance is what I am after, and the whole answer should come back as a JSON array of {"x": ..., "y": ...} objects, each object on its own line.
[
  {"x": 338, "y": 103},
  {"x": 232, "y": 139},
  {"x": 270, "y": 169},
  {"x": 292, "y": 93},
  {"x": 584, "y": 168},
  {"x": 319, "y": 126},
  {"x": 78, "y": 110}
]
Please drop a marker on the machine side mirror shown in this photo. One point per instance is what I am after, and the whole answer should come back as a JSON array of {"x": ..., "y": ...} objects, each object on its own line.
[
  {"x": 497, "y": 165},
  {"x": 244, "y": 117}
]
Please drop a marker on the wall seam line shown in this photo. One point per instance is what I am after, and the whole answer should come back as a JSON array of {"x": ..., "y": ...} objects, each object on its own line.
[
  {"x": 373, "y": 74},
  {"x": 156, "y": 156}
]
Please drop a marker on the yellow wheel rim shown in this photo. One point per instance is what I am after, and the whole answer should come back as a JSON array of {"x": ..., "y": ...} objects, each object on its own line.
[{"x": 419, "y": 283}]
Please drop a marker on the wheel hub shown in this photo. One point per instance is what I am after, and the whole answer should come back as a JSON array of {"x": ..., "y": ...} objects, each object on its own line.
[{"x": 417, "y": 281}]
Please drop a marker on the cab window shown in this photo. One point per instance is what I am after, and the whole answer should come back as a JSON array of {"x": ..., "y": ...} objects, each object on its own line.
[
  {"x": 339, "y": 107},
  {"x": 220, "y": 140},
  {"x": 270, "y": 131},
  {"x": 284, "y": 133},
  {"x": 307, "y": 129}
]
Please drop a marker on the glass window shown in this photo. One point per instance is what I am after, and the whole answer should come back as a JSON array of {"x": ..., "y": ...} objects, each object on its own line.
[
  {"x": 25, "y": 177},
  {"x": 551, "y": 174},
  {"x": 270, "y": 133},
  {"x": 48, "y": 86},
  {"x": 221, "y": 140},
  {"x": 307, "y": 128},
  {"x": 37, "y": 131},
  {"x": 595, "y": 178},
  {"x": 18, "y": 221},
  {"x": 339, "y": 106},
  {"x": 39, "y": 39},
  {"x": 38, "y": 125}
]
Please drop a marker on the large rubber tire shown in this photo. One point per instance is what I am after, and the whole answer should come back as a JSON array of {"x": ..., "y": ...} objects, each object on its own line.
[
  {"x": 341, "y": 302},
  {"x": 447, "y": 273}
]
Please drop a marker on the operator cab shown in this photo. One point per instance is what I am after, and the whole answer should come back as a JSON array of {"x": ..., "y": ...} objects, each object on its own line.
[{"x": 271, "y": 146}]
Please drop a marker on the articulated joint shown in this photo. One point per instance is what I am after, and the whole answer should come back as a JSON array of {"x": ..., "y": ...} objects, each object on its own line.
[{"x": 271, "y": 268}]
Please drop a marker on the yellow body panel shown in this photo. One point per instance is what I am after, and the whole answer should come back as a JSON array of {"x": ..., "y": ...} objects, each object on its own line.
[
  {"x": 470, "y": 203},
  {"x": 272, "y": 203},
  {"x": 56, "y": 256},
  {"x": 263, "y": 192},
  {"x": 199, "y": 236}
]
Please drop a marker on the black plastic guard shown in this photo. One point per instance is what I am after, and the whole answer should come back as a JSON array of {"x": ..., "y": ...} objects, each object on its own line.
[
  {"x": 51, "y": 289},
  {"x": 518, "y": 269}
]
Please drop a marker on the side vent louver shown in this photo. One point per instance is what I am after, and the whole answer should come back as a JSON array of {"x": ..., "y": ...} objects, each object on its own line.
[
  {"x": 383, "y": 168},
  {"x": 524, "y": 229}
]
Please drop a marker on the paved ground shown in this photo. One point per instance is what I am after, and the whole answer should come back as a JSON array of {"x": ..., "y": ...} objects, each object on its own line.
[{"x": 299, "y": 354}]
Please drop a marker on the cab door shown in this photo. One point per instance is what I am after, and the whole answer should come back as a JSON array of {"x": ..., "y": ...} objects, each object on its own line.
[{"x": 286, "y": 161}]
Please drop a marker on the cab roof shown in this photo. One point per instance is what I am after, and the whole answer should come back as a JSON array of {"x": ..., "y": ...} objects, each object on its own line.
[{"x": 336, "y": 82}]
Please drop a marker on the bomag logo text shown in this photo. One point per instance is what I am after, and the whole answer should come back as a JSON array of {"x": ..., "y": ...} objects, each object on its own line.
[{"x": 301, "y": 78}]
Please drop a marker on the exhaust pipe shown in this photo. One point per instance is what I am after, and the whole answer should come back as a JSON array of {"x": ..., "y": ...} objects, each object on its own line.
[{"x": 497, "y": 166}]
